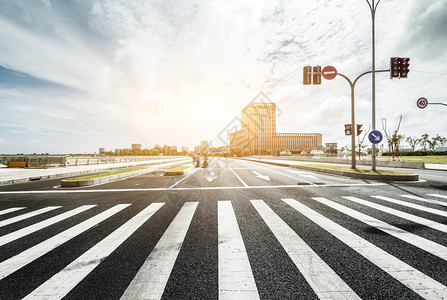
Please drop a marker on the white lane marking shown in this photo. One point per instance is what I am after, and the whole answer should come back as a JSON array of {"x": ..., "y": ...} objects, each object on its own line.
[
  {"x": 415, "y": 240},
  {"x": 196, "y": 188},
  {"x": 437, "y": 195},
  {"x": 28, "y": 215},
  {"x": 417, "y": 281},
  {"x": 323, "y": 280},
  {"x": 265, "y": 177},
  {"x": 293, "y": 177},
  {"x": 151, "y": 279},
  {"x": 425, "y": 200},
  {"x": 63, "y": 282},
  {"x": 400, "y": 214},
  {"x": 302, "y": 173},
  {"x": 8, "y": 210},
  {"x": 415, "y": 206},
  {"x": 14, "y": 263},
  {"x": 237, "y": 176},
  {"x": 183, "y": 179},
  {"x": 236, "y": 279},
  {"x": 38, "y": 226}
]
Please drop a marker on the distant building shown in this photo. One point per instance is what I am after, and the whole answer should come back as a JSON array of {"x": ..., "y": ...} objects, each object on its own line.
[
  {"x": 172, "y": 148},
  {"x": 101, "y": 151},
  {"x": 117, "y": 151},
  {"x": 136, "y": 146},
  {"x": 331, "y": 149},
  {"x": 258, "y": 133},
  {"x": 185, "y": 149},
  {"x": 197, "y": 149}
]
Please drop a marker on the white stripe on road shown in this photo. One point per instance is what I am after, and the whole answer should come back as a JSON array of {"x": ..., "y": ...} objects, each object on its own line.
[
  {"x": 38, "y": 226},
  {"x": 28, "y": 215},
  {"x": 415, "y": 240},
  {"x": 151, "y": 279},
  {"x": 12, "y": 209},
  {"x": 323, "y": 280},
  {"x": 437, "y": 195},
  {"x": 417, "y": 281},
  {"x": 183, "y": 179},
  {"x": 236, "y": 279},
  {"x": 63, "y": 282},
  {"x": 415, "y": 206},
  {"x": 293, "y": 177},
  {"x": 425, "y": 200},
  {"x": 237, "y": 176},
  {"x": 14, "y": 263},
  {"x": 401, "y": 214}
]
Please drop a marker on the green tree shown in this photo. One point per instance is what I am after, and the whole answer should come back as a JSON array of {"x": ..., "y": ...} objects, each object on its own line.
[
  {"x": 423, "y": 141},
  {"x": 412, "y": 141}
]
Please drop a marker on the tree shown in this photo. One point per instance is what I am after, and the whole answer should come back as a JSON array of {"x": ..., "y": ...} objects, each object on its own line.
[
  {"x": 246, "y": 152},
  {"x": 423, "y": 141},
  {"x": 412, "y": 141},
  {"x": 440, "y": 140},
  {"x": 432, "y": 143},
  {"x": 393, "y": 139}
]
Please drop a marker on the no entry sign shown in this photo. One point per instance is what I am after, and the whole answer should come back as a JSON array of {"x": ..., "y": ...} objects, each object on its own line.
[{"x": 329, "y": 72}]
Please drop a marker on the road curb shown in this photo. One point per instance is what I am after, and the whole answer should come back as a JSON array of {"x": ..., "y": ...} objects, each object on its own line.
[
  {"x": 115, "y": 177},
  {"x": 380, "y": 177}
]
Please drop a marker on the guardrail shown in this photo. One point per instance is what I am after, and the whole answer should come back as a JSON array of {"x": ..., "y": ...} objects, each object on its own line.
[{"x": 46, "y": 161}]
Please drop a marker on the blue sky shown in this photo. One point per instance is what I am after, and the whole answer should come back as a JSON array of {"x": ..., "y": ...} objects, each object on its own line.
[{"x": 79, "y": 75}]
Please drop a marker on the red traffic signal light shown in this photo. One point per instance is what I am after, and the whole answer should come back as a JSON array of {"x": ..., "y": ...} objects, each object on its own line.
[
  {"x": 404, "y": 65},
  {"x": 307, "y": 75},
  {"x": 399, "y": 67}
]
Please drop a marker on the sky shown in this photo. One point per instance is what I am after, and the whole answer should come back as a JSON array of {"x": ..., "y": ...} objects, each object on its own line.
[{"x": 79, "y": 75}]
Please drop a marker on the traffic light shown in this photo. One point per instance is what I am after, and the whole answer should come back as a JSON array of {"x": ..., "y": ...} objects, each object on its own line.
[
  {"x": 399, "y": 67},
  {"x": 359, "y": 130},
  {"x": 394, "y": 67},
  {"x": 307, "y": 75},
  {"x": 317, "y": 75},
  {"x": 404, "y": 64},
  {"x": 348, "y": 129}
]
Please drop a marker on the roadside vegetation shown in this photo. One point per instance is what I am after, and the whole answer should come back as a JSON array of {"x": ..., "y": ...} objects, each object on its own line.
[
  {"x": 179, "y": 169},
  {"x": 357, "y": 170},
  {"x": 106, "y": 174}
]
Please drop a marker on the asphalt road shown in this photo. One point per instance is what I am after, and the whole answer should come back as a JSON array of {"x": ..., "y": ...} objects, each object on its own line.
[{"x": 236, "y": 230}]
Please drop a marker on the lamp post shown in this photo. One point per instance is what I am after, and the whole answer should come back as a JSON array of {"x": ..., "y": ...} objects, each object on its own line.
[{"x": 373, "y": 7}]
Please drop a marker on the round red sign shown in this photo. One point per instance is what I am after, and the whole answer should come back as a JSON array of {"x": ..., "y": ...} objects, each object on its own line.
[
  {"x": 422, "y": 103},
  {"x": 329, "y": 72}
]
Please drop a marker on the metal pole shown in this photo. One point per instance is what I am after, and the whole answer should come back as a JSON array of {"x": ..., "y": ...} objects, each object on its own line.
[{"x": 373, "y": 7}]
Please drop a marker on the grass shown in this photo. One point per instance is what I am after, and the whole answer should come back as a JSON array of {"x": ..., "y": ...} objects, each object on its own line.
[
  {"x": 357, "y": 170},
  {"x": 106, "y": 174},
  {"x": 179, "y": 169}
]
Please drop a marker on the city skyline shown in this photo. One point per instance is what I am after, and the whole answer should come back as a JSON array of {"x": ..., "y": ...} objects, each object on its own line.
[{"x": 78, "y": 76}]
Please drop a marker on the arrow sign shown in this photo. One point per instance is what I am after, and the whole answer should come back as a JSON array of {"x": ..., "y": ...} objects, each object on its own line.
[
  {"x": 375, "y": 136},
  {"x": 211, "y": 176},
  {"x": 329, "y": 72},
  {"x": 265, "y": 177}
]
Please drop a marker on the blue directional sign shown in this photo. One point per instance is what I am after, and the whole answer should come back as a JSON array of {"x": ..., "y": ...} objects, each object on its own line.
[{"x": 375, "y": 136}]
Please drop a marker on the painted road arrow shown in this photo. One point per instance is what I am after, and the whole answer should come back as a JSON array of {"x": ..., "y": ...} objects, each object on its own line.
[
  {"x": 265, "y": 177},
  {"x": 211, "y": 176}
]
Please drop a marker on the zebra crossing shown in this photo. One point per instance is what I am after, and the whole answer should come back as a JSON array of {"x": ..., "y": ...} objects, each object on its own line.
[{"x": 236, "y": 279}]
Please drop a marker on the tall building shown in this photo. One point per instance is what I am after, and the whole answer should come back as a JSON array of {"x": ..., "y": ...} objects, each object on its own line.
[
  {"x": 135, "y": 146},
  {"x": 258, "y": 133},
  {"x": 102, "y": 150},
  {"x": 184, "y": 148}
]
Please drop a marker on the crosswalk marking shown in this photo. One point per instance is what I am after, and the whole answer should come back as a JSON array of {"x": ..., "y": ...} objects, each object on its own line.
[
  {"x": 64, "y": 281},
  {"x": 415, "y": 206},
  {"x": 235, "y": 276},
  {"x": 151, "y": 279},
  {"x": 35, "y": 227},
  {"x": 400, "y": 214},
  {"x": 438, "y": 196},
  {"x": 14, "y": 263},
  {"x": 8, "y": 210},
  {"x": 425, "y": 200},
  {"x": 417, "y": 281},
  {"x": 323, "y": 280},
  {"x": 27, "y": 215},
  {"x": 415, "y": 240}
]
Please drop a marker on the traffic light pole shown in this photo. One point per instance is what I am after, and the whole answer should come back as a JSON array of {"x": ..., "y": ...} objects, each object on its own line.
[{"x": 352, "y": 85}]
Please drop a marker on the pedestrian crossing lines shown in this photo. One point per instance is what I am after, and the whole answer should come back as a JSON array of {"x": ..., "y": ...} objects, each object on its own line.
[{"x": 234, "y": 269}]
